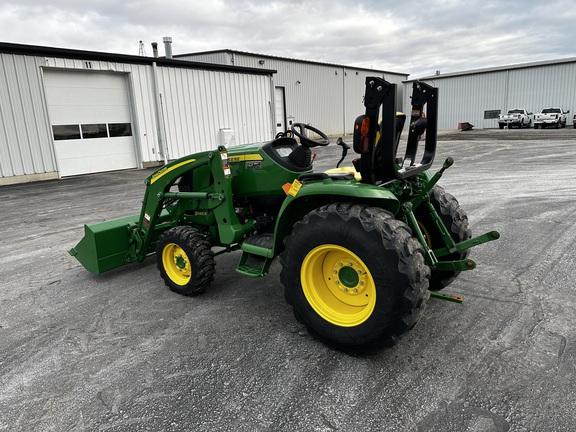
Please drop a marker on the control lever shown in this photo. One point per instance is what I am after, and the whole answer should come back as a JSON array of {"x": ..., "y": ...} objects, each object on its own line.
[{"x": 345, "y": 148}]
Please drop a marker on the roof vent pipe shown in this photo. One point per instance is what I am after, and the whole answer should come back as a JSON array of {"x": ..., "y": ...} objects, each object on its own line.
[
  {"x": 168, "y": 46},
  {"x": 155, "y": 49}
]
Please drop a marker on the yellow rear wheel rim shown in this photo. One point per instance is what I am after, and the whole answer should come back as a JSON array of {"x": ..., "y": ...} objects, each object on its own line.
[
  {"x": 338, "y": 285},
  {"x": 176, "y": 264},
  {"x": 426, "y": 234}
]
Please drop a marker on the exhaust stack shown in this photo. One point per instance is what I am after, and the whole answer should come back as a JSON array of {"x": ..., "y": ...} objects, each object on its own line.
[{"x": 168, "y": 46}]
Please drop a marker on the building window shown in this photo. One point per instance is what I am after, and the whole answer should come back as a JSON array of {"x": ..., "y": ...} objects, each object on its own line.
[
  {"x": 491, "y": 114},
  {"x": 94, "y": 131},
  {"x": 66, "y": 132},
  {"x": 119, "y": 129}
]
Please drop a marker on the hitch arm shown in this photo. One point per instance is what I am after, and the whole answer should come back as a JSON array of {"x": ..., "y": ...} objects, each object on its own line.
[{"x": 466, "y": 244}]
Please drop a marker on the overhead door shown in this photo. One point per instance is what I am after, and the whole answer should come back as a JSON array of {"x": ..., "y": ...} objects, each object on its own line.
[{"x": 91, "y": 121}]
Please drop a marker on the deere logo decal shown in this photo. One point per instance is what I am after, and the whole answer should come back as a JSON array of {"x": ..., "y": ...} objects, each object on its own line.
[{"x": 244, "y": 158}]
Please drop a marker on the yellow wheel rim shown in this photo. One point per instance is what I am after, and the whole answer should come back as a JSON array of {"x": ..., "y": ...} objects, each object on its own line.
[
  {"x": 176, "y": 264},
  {"x": 426, "y": 234},
  {"x": 338, "y": 285}
]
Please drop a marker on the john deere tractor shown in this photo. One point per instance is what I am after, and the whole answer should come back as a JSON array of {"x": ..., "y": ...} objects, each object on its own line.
[{"x": 362, "y": 248}]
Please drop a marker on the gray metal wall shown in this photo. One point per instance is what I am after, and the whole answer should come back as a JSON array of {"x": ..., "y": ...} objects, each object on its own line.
[
  {"x": 197, "y": 104},
  {"x": 193, "y": 106},
  {"x": 329, "y": 97},
  {"x": 25, "y": 134},
  {"x": 464, "y": 97}
]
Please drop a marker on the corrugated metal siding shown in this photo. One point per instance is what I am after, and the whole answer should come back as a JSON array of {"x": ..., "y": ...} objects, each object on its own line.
[
  {"x": 550, "y": 86},
  {"x": 25, "y": 138},
  {"x": 464, "y": 98},
  {"x": 313, "y": 93},
  {"x": 459, "y": 100},
  {"x": 197, "y": 104},
  {"x": 329, "y": 97},
  {"x": 141, "y": 87},
  {"x": 222, "y": 58}
]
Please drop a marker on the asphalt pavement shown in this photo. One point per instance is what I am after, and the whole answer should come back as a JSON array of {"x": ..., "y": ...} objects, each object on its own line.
[{"x": 121, "y": 352}]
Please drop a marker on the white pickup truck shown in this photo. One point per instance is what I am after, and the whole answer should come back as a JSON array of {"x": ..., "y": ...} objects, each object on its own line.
[
  {"x": 515, "y": 117},
  {"x": 550, "y": 117}
]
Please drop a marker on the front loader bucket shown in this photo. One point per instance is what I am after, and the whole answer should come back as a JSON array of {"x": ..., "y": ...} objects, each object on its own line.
[{"x": 105, "y": 245}]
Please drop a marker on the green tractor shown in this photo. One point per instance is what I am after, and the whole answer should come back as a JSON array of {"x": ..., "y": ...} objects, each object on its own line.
[{"x": 361, "y": 248}]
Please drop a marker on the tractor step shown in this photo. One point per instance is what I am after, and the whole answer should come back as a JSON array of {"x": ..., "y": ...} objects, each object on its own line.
[{"x": 257, "y": 255}]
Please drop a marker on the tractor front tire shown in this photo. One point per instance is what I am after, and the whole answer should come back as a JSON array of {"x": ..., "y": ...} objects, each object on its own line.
[
  {"x": 354, "y": 276},
  {"x": 456, "y": 221},
  {"x": 185, "y": 260}
]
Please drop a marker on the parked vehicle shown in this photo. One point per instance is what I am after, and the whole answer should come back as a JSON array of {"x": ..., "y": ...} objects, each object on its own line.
[
  {"x": 574, "y": 121},
  {"x": 515, "y": 117},
  {"x": 550, "y": 117}
]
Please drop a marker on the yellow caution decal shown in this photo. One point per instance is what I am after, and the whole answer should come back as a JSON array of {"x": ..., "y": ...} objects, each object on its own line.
[{"x": 294, "y": 188}]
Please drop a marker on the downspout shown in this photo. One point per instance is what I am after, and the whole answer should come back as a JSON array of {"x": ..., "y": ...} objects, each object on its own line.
[
  {"x": 506, "y": 89},
  {"x": 158, "y": 112},
  {"x": 272, "y": 106}
]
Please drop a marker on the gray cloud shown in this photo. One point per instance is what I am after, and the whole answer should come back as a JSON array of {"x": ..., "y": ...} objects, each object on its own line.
[{"x": 412, "y": 37}]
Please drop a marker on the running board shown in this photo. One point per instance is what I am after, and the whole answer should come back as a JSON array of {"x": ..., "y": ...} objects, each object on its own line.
[{"x": 257, "y": 255}]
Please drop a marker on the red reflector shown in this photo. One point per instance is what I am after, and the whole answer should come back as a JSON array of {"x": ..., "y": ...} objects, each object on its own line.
[
  {"x": 364, "y": 144},
  {"x": 365, "y": 126}
]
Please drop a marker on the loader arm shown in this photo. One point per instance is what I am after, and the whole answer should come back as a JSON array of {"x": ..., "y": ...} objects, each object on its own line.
[
  {"x": 112, "y": 244},
  {"x": 163, "y": 208}
]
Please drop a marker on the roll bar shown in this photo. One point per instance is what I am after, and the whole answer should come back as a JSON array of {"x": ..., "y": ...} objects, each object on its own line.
[{"x": 377, "y": 140}]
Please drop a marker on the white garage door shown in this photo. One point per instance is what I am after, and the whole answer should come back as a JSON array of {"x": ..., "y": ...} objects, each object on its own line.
[{"x": 91, "y": 122}]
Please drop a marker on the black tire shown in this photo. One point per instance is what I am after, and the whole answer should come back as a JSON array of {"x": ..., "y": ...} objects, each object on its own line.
[
  {"x": 185, "y": 260},
  {"x": 501, "y": 126},
  {"x": 354, "y": 276},
  {"x": 536, "y": 126},
  {"x": 456, "y": 221}
]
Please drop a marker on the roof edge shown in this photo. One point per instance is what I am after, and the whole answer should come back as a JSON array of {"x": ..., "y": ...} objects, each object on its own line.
[
  {"x": 231, "y": 51},
  {"x": 44, "y": 51},
  {"x": 516, "y": 66}
]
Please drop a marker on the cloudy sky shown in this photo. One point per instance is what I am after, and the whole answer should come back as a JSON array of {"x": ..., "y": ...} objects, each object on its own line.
[{"x": 414, "y": 37}]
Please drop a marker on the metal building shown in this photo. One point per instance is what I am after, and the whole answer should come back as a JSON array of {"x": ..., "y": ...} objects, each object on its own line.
[
  {"x": 67, "y": 112},
  {"x": 326, "y": 96},
  {"x": 478, "y": 96}
]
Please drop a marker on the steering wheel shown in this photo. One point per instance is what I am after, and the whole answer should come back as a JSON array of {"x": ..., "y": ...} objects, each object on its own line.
[{"x": 304, "y": 140}]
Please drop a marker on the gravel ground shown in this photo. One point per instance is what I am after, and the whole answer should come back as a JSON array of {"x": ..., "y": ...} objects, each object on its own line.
[{"x": 120, "y": 352}]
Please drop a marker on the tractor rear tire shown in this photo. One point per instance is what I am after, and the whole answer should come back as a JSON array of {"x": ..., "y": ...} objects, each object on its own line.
[
  {"x": 354, "y": 276},
  {"x": 185, "y": 260},
  {"x": 456, "y": 221}
]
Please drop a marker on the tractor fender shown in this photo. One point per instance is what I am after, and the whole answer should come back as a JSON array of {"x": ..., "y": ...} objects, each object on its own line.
[{"x": 314, "y": 194}]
